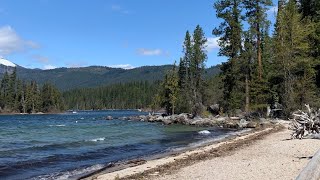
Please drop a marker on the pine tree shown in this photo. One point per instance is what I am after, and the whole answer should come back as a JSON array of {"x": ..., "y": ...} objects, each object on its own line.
[
  {"x": 259, "y": 26},
  {"x": 197, "y": 67},
  {"x": 184, "y": 103},
  {"x": 257, "y": 18},
  {"x": 230, "y": 32},
  {"x": 172, "y": 86}
]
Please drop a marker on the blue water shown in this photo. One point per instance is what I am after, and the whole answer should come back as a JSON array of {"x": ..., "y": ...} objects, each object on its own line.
[{"x": 67, "y": 145}]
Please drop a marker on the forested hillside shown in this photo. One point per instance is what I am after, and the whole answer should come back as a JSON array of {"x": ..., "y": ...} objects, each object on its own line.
[
  {"x": 133, "y": 95},
  {"x": 93, "y": 76}
]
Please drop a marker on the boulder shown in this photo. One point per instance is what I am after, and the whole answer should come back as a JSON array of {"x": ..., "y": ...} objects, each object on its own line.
[
  {"x": 214, "y": 109},
  {"x": 167, "y": 122},
  {"x": 252, "y": 125},
  {"x": 124, "y": 118},
  {"x": 231, "y": 124},
  {"x": 181, "y": 119},
  {"x": 243, "y": 123}
]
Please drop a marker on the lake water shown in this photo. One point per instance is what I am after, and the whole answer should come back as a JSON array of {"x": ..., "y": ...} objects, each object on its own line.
[{"x": 67, "y": 145}]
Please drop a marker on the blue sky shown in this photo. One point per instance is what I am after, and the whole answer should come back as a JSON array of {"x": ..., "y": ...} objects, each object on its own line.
[{"x": 120, "y": 33}]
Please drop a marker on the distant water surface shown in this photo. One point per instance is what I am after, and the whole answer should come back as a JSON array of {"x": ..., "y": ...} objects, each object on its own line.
[{"x": 65, "y": 146}]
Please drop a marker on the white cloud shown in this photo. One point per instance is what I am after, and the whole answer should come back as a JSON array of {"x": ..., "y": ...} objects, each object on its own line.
[
  {"x": 123, "y": 66},
  {"x": 49, "y": 66},
  {"x": 212, "y": 43},
  {"x": 150, "y": 52},
  {"x": 11, "y": 42}
]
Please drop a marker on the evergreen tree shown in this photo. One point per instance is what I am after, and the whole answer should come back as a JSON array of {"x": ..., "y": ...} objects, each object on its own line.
[
  {"x": 230, "y": 31},
  {"x": 197, "y": 67},
  {"x": 257, "y": 18},
  {"x": 171, "y": 85},
  {"x": 184, "y": 103}
]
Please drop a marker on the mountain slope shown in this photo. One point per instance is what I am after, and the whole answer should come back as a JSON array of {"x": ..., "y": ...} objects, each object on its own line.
[{"x": 93, "y": 76}]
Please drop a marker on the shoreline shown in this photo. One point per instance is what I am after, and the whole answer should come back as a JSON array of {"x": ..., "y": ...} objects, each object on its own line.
[
  {"x": 161, "y": 163},
  {"x": 68, "y": 111}
]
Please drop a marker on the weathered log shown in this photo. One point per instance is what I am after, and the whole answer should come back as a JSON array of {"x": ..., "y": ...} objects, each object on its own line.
[{"x": 312, "y": 170}]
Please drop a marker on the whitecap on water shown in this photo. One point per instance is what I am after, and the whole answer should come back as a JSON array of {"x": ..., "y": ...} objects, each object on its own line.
[
  {"x": 97, "y": 139},
  {"x": 204, "y": 132},
  {"x": 59, "y": 125}
]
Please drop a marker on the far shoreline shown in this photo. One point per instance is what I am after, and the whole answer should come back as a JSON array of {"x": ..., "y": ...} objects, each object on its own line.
[{"x": 70, "y": 111}]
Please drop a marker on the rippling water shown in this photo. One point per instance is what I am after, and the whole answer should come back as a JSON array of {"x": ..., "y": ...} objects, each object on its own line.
[{"x": 67, "y": 145}]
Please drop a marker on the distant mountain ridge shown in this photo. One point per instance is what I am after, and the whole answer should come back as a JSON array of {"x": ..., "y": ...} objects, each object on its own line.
[{"x": 93, "y": 76}]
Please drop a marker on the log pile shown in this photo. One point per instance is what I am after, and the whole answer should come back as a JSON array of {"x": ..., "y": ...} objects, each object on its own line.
[{"x": 305, "y": 123}]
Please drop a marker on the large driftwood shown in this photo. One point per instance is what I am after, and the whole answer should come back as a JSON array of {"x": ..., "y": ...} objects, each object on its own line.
[
  {"x": 312, "y": 170},
  {"x": 304, "y": 123}
]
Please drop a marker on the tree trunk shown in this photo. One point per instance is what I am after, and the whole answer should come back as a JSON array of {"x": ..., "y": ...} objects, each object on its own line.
[
  {"x": 259, "y": 53},
  {"x": 247, "y": 95},
  {"x": 172, "y": 109}
]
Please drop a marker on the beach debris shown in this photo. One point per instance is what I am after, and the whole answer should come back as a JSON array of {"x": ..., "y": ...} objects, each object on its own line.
[
  {"x": 305, "y": 123},
  {"x": 136, "y": 162}
]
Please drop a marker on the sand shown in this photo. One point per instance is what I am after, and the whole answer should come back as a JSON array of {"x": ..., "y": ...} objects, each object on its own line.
[
  {"x": 274, "y": 157},
  {"x": 252, "y": 156}
]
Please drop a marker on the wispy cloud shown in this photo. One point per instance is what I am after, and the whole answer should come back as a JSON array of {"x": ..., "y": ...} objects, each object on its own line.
[
  {"x": 49, "y": 66},
  {"x": 123, "y": 66},
  {"x": 150, "y": 52},
  {"x": 41, "y": 59},
  {"x": 272, "y": 10},
  {"x": 76, "y": 64},
  {"x": 212, "y": 43},
  {"x": 119, "y": 9},
  {"x": 11, "y": 42}
]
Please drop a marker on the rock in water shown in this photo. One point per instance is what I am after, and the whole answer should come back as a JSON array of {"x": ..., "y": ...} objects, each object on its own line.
[
  {"x": 204, "y": 132},
  {"x": 109, "y": 118}
]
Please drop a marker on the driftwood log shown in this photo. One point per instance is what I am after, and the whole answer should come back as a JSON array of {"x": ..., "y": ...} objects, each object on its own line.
[{"x": 305, "y": 123}]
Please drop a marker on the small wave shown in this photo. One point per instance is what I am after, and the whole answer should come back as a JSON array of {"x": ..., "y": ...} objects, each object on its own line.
[
  {"x": 97, "y": 139},
  {"x": 73, "y": 174},
  {"x": 59, "y": 125},
  {"x": 208, "y": 141},
  {"x": 204, "y": 132}
]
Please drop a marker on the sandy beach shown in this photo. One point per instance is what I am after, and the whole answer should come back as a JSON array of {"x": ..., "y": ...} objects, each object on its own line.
[
  {"x": 274, "y": 157},
  {"x": 265, "y": 154}
]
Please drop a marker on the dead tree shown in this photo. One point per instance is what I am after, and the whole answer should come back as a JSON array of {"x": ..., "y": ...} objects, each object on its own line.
[{"x": 304, "y": 123}]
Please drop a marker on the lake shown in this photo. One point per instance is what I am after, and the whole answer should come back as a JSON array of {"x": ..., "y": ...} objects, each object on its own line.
[{"x": 66, "y": 146}]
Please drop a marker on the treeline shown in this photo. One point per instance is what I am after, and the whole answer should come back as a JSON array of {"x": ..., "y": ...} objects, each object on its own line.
[
  {"x": 17, "y": 96},
  {"x": 278, "y": 70},
  {"x": 265, "y": 69},
  {"x": 133, "y": 95}
]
